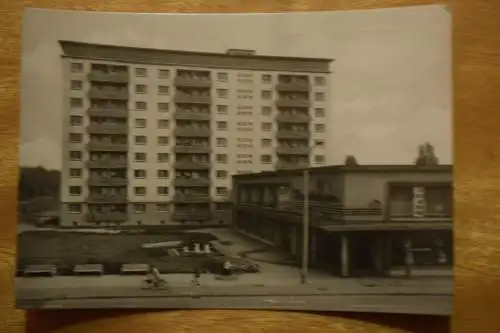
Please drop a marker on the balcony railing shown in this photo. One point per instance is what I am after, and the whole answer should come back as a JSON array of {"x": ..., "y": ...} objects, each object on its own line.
[
  {"x": 191, "y": 165},
  {"x": 194, "y": 99},
  {"x": 102, "y": 198},
  {"x": 105, "y": 146},
  {"x": 104, "y": 217},
  {"x": 186, "y": 198},
  {"x": 192, "y": 182},
  {"x": 192, "y": 149},
  {"x": 289, "y": 134},
  {"x": 291, "y": 165},
  {"x": 108, "y": 112},
  {"x": 292, "y": 150},
  {"x": 293, "y": 86},
  {"x": 108, "y": 129},
  {"x": 192, "y": 82},
  {"x": 107, "y": 164},
  {"x": 284, "y": 102},
  {"x": 103, "y": 181},
  {"x": 197, "y": 215},
  {"x": 185, "y": 115},
  {"x": 121, "y": 77},
  {"x": 296, "y": 119},
  {"x": 112, "y": 94},
  {"x": 192, "y": 132}
]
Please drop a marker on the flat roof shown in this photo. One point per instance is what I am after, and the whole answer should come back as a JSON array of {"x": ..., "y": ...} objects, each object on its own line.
[
  {"x": 139, "y": 55},
  {"x": 366, "y": 168}
]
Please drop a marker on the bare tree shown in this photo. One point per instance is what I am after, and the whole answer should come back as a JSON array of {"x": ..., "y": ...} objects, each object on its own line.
[
  {"x": 426, "y": 155},
  {"x": 350, "y": 160}
]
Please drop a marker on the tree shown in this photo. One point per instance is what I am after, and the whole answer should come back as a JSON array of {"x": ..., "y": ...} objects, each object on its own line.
[
  {"x": 426, "y": 155},
  {"x": 350, "y": 160},
  {"x": 35, "y": 182}
]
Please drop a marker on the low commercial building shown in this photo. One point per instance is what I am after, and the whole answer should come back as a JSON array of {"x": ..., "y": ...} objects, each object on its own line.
[{"x": 364, "y": 220}]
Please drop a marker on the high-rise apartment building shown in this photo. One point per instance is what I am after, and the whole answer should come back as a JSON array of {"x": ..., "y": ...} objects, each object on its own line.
[{"x": 152, "y": 137}]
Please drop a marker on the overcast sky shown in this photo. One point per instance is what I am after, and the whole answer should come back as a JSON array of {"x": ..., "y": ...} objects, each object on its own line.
[{"x": 391, "y": 81}]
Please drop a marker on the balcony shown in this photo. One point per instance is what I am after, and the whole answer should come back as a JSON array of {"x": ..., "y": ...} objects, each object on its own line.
[
  {"x": 293, "y": 119},
  {"x": 108, "y": 164},
  {"x": 107, "y": 112},
  {"x": 111, "y": 94},
  {"x": 192, "y": 99},
  {"x": 179, "y": 198},
  {"x": 195, "y": 215},
  {"x": 102, "y": 198},
  {"x": 293, "y": 86},
  {"x": 192, "y": 82},
  {"x": 193, "y": 150},
  {"x": 192, "y": 182},
  {"x": 117, "y": 77},
  {"x": 190, "y": 165},
  {"x": 105, "y": 146},
  {"x": 292, "y": 150},
  {"x": 186, "y": 115},
  {"x": 282, "y": 165},
  {"x": 283, "y": 102},
  {"x": 102, "y": 181},
  {"x": 108, "y": 129},
  {"x": 107, "y": 217},
  {"x": 289, "y": 134},
  {"x": 192, "y": 132}
]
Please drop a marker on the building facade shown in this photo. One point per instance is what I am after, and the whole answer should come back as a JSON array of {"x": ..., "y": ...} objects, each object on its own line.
[
  {"x": 152, "y": 137},
  {"x": 363, "y": 220}
]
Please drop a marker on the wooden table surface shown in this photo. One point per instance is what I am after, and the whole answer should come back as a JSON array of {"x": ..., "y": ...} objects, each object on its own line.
[{"x": 477, "y": 175}]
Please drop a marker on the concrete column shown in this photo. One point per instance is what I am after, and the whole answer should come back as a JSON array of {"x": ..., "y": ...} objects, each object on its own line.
[
  {"x": 206, "y": 248},
  {"x": 185, "y": 249},
  {"x": 197, "y": 248},
  {"x": 344, "y": 256}
]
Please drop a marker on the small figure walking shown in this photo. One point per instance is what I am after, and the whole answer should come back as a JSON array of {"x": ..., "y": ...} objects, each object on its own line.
[{"x": 196, "y": 276}]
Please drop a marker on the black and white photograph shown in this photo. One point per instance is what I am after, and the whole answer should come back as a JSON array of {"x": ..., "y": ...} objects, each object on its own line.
[{"x": 291, "y": 161}]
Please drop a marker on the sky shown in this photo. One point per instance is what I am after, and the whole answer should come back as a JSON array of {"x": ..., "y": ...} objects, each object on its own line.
[{"x": 391, "y": 83}]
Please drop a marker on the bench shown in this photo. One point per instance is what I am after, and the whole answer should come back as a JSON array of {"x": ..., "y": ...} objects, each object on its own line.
[
  {"x": 89, "y": 269},
  {"x": 40, "y": 270},
  {"x": 138, "y": 269}
]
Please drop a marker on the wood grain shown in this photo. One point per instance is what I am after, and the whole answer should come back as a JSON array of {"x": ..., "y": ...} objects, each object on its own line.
[{"x": 477, "y": 160}]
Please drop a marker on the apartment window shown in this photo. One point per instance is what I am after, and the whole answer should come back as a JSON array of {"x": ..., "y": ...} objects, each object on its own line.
[
  {"x": 140, "y": 123},
  {"x": 141, "y": 88},
  {"x": 74, "y": 208},
  {"x": 222, "y": 125},
  {"x": 267, "y": 127},
  {"x": 162, "y": 174},
  {"x": 163, "y": 90},
  {"x": 266, "y": 159},
  {"x": 222, "y": 93},
  {"x": 76, "y": 67},
  {"x": 222, "y": 77},
  {"x": 75, "y": 155},
  {"x": 320, "y": 80},
  {"x": 140, "y": 208},
  {"x": 319, "y": 112},
  {"x": 140, "y": 190},
  {"x": 222, "y": 109},
  {"x": 76, "y": 85},
  {"x": 266, "y": 78},
  {"x": 139, "y": 173},
  {"x": 75, "y": 190},
  {"x": 320, "y": 128},
  {"x": 319, "y": 159},
  {"x": 266, "y": 143},
  {"x": 140, "y": 139},
  {"x": 319, "y": 96},
  {"x": 163, "y": 123},
  {"x": 221, "y": 142},
  {"x": 221, "y": 158},
  {"x": 163, "y": 141},
  {"x": 221, "y": 174},
  {"x": 163, "y": 107},
  {"x": 76, "y": 102},
  {"x": 162, "y": 207},
  {"x": 141, "y": 72},
  {"x": 163, "y": 73},
  {"x": 266, "y": 110},
  {"x": 245, "y": 94},
  {"x": 76, "y": 120},
  {"x": 267, "y": 94},
  {"x": 140, "y": 157},
  {"x": 221, "y": 190},
  {"x": 162, "y": 157},
  {"x": 75, "y": 138},
  {"x": 162, "y": 190},
  {"x": 319, "y": 143},
  {"x": 75, "y": 173},
  {"x": 141, "y": 106}
]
